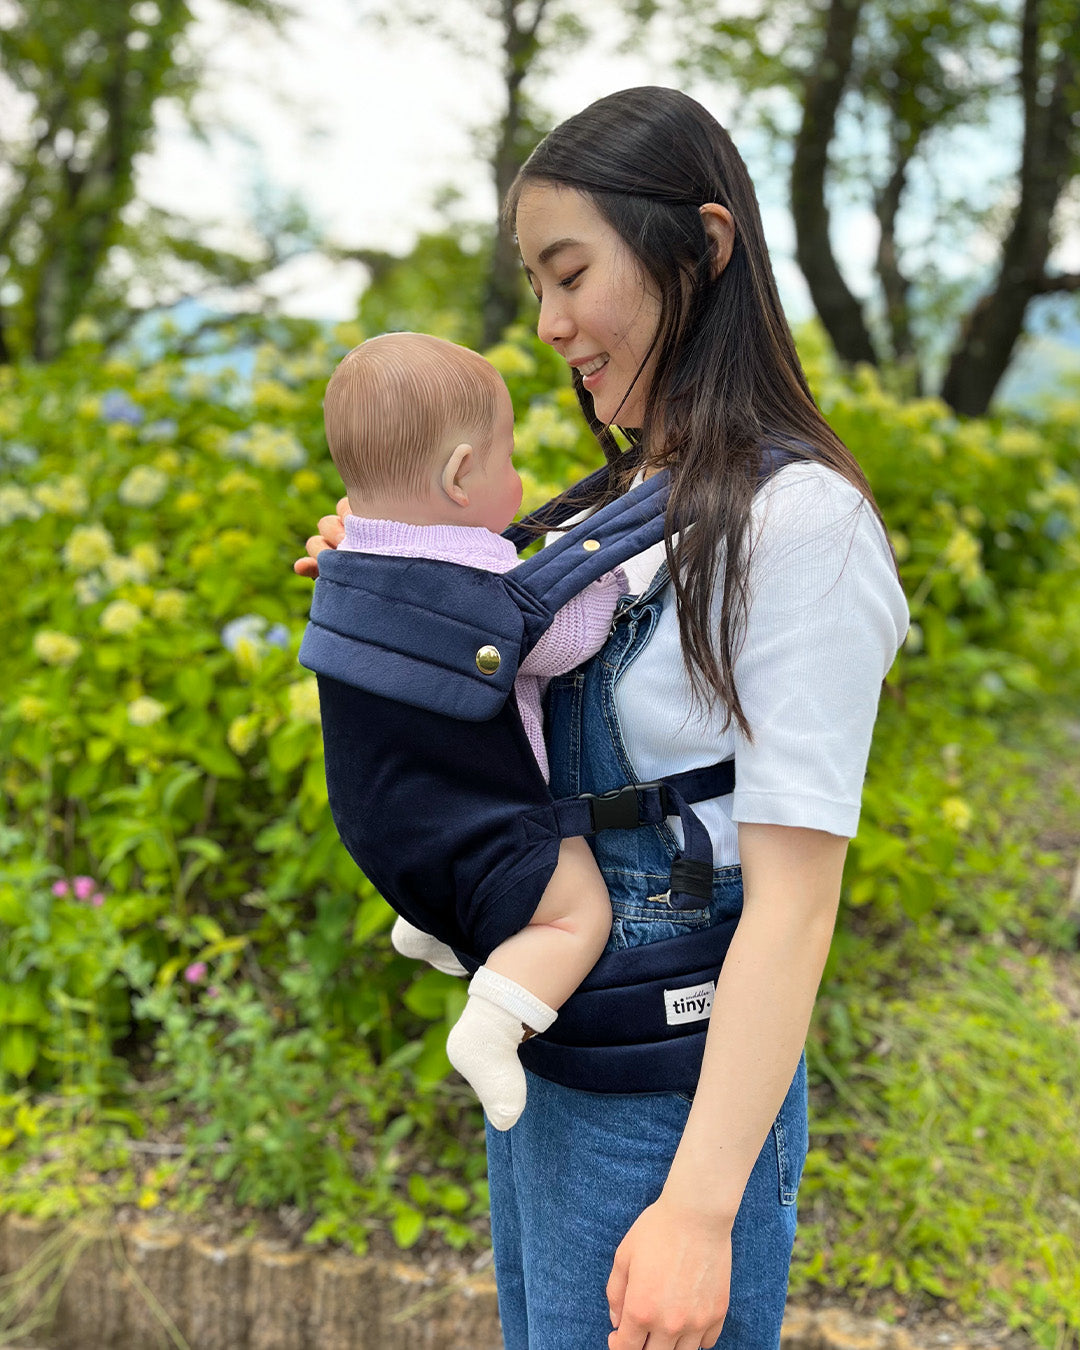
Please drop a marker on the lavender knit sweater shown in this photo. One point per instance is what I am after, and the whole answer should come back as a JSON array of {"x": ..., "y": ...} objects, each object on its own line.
[{"x": 577, "y": 632}]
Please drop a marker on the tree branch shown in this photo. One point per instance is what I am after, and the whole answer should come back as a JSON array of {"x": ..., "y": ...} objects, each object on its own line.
[
  {"x": 894, "y": 284},
  {"x": 1048, "y": 285}
]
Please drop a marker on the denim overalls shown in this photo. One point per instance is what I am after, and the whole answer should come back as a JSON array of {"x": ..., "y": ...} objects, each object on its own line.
[{"x": 570, "y": 1178}]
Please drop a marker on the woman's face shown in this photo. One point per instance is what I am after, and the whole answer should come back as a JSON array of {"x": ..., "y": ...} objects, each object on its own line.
[{"x": 597, "y": 308}]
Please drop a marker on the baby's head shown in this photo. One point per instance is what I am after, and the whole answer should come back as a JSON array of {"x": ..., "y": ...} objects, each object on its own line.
[{"x": 421, "y": 430}]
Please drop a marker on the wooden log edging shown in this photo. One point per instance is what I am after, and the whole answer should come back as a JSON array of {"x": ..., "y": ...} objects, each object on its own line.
[{"x": 96, "y": 1284}]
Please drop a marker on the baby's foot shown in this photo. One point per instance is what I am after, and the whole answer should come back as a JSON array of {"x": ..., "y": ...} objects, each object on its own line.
[
  {"x": 421, "y": 946},
  {"x": 483, "y": 1043}
]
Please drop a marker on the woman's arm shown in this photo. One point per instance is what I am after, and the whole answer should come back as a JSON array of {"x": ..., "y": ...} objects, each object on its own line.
[
  {"x": 671, "y": 1276},
  {"x": 331, "y": 533}
]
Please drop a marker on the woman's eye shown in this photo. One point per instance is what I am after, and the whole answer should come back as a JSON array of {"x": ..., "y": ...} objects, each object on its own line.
[{"x": 567, "y": 282}]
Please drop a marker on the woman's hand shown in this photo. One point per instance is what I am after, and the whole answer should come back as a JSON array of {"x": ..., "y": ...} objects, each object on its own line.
[
  {"x": 331, "y": 533},
  {"x": 670, "y": 1282}
]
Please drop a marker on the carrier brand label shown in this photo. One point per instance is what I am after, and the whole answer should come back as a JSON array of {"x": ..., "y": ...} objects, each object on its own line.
[{"x": 693, "y": 1004}]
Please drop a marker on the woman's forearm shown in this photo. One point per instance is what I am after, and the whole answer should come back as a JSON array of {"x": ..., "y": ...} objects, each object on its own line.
[{"x": 764, "y": 999}]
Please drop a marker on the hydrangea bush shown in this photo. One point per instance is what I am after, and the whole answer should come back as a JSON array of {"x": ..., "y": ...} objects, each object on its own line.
[{"x": 172, "y": 892}]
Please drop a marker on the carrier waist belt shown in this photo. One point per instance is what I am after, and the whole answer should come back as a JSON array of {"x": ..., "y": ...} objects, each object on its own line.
[{"x": 638, "y": 1021}]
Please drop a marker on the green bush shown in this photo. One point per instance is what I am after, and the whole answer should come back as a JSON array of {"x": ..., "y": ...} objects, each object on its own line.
[{"x": 160, "y": 740}]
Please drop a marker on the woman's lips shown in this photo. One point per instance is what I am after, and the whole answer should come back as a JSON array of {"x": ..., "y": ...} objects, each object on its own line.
[{"x": 595, "y": 370}]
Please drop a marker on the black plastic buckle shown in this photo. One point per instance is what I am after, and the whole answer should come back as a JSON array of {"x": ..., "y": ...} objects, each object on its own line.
[{"x": 620, "y": 809}]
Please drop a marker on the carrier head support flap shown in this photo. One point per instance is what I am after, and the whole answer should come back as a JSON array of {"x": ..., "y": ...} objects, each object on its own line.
[{"x": 433, "y": 786}]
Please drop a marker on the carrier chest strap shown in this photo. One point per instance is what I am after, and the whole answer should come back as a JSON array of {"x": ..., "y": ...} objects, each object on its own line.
[{"x": 651, "y": 803}]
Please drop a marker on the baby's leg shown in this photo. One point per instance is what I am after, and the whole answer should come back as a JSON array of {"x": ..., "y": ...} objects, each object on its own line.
[
  {"x": 572, "y": 923},
  {"x": 527, "y": 978}
]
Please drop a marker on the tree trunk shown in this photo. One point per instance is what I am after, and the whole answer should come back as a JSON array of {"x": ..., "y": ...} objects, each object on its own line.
[
  {"x": 895, "y": 286},
  {"x": 503, "y": 297},
  {"x": 992, "y": 329},
  {"x": 838, "y": 309}
]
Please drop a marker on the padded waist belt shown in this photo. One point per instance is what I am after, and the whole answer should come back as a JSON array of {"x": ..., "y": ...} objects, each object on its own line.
[{"x": 638, "y": 1022}]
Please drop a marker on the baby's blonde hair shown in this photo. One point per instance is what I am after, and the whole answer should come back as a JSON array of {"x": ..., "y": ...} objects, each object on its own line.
[{"x": 395, "y": 401}]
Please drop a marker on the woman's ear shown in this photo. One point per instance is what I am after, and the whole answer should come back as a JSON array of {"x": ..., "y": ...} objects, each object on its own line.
[
  {"x": 719, "y": 225},
  {"x": 456, "y": 469}
]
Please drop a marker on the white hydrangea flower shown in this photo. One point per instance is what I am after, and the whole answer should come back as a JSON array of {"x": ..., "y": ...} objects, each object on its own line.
[
  {"x": 119, "y": 571},
  {"x": 169, "y": 605},
  {"x": 121, "y": 618},
  {"x": 243, "y": 732},
  {"x": 65, "y": 496},
  {"x": 145, "y": 711},
  {"x": 87, "y": 547},
  {"x": 304, "y": 700},
  {"x": 56, "y": 649},
  {"x": 148, "y": 556},
  {"x": 144, "y": 486},
  {"x": 268, "y": 447},
  {"x": 17, "y": 504},
  {"x": 89, "y": 590}
]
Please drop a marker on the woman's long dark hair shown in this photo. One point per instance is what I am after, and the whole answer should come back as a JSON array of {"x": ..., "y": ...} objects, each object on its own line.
[{"x": 728, "y": 380}]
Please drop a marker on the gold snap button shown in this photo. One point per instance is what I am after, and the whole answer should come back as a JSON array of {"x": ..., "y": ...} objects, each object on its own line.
[
  {"x": 591, "y": 545},
  {"x": 488, "y": 660}
]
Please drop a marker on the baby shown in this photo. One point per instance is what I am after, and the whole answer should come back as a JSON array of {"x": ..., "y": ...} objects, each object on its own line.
[{"x": 421, "y": 431}]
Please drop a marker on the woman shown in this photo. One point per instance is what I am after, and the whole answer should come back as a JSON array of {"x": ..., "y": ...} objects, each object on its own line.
[{"x": 666, "y": 1220}]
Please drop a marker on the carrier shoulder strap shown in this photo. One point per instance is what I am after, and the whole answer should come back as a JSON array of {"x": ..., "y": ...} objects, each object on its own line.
[{"x": 624, "y": 527}]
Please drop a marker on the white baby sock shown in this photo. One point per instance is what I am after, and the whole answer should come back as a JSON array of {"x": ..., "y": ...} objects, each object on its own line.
[
  {"x": 483, "y": 1043},
  {"x": 421, "y": 946}
]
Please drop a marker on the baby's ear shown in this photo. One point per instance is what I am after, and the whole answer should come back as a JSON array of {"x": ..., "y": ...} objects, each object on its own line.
[{"x": 456, "y": 469}]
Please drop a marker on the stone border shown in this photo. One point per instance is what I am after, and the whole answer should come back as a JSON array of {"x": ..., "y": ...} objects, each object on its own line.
[{"x": 95, "y": 1284}]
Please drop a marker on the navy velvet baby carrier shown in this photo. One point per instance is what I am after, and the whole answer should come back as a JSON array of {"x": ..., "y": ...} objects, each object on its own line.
[{"x": 437, "y": 795}]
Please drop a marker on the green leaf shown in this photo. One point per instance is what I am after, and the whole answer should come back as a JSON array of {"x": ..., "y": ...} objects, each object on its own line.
[
  {"x": 408, "y": 1226},
  {"x": 373, "y": 916},
  {"x": 426, "y": 996},
  {"x": 18, "y": 1051},
  {"x": 217, "y": 759}
]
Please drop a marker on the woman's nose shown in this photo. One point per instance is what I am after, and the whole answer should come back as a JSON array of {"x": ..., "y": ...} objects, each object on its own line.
[{"x": 554, "y": 324}]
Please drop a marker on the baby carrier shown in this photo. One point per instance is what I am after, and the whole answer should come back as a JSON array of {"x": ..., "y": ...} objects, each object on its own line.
[{"x": 437, "y": 795}]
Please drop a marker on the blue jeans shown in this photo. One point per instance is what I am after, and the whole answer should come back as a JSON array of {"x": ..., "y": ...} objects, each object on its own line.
[
  {"x": 567, "y": 1183},
  {"x": 572, "y": 1176}
]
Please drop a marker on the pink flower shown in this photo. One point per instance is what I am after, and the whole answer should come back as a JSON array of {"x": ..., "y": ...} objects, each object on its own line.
[
  {"x": 195, "y": 972},
  {"x": 212, "y": 991},
  {"x": 84, "y": 887},
  {"x": 60, "y": 888},
  {"x": 97, "y": 900}
]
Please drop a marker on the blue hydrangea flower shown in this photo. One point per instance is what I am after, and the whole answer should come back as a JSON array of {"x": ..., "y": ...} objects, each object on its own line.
[
  {"x": 164, "y": 429},
  {"x": 248, "y": 627},
  {"x": 253, "y": 629},
  {"x": 117, "y": 407}
]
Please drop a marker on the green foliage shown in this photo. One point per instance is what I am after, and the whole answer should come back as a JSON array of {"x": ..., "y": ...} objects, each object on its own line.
[
  {"x": 235, "y": 982},
  {"x": 438, "y": 288},
  {"x": 945, "y": 1164}
]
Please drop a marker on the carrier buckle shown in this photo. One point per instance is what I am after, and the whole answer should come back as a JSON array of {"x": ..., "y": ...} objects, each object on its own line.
[{"x": 620, "y": 809}]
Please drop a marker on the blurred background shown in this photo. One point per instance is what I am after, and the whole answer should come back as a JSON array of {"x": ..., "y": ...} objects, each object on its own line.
[{"x": 202, "y": 207}]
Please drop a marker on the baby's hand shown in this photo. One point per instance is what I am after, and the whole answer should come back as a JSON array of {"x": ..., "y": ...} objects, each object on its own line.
[{"x": 331, "y": 533}]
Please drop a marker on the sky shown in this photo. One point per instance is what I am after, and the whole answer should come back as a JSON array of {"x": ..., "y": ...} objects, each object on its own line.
[{"x": 367, "y": 124}]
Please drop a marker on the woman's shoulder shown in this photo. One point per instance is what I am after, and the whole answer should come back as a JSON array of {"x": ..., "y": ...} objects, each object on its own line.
[{"x": 807, "y": 502}]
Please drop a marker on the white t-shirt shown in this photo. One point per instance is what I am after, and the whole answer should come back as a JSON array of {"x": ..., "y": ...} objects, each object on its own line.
[{"x": 826, "y": 618}]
